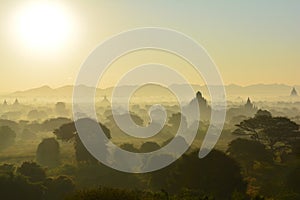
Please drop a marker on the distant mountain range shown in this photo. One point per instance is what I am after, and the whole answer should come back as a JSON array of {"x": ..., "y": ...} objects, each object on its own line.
[{"x": 255, "y": 91}]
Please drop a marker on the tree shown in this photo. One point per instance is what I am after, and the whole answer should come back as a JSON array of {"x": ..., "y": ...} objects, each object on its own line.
[
  {"x": 33, "y": 171},
  {"x": 7, "y": 169},
  {"x": 15, "y": 187},
  {"x": 254, "y": 125},
  {"x": 293, "y": 180},
  {"x": 165, "y": 177},
  {"x": 176, "y": 120},
  {"x": 178, "y": 141},
  {"x": 36, "y": 115},
  {"x": 296, "y": 147},
  {"x": 54, "y": 123},
  {"x": 247, "y": 152},
  {"x": 216, "y": 174},
  {"x": 60, "y": 108},
  {"x": 275, "y": 132},
  {"x": 68, "y": 132},
  {"x": 81, "y": 153},
  {"x": 7, "y": 137},
  {"x": 149, "y": 147},
  {"x": 59, "y": 187},
  {"x": 104, "y": 193},
  {"x": 48, "y": 153},
  {"x": 129, "y": 147},
  {"x": 27, "y": 134}
]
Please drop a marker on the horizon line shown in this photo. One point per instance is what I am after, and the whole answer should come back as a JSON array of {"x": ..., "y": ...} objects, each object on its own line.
[{"x": 129, "y": 85}]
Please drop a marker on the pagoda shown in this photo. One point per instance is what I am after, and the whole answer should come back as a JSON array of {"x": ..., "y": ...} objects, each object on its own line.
[
  {"x": 204, "y": 108},
  {"x": 249, "y": 105},
  {"x": 105, "y": 102},
  {"x": 16, "y": 103},
  {"x": 294, "y": 92},
  {"x": 201, "y": 100},
  {"x": 5, "y": 103}
]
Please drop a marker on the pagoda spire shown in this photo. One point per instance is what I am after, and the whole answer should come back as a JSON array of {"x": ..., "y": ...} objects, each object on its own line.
[
  {"x": 249, "y": 105},
  {"x": 16, "y": 103},
  {"x": 294, "y": 92},
  {"x": 249, "y": 101},
  {"x": 5, "y": 103}
]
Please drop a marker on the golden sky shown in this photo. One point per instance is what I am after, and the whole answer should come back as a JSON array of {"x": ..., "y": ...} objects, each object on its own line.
[{"x": 251, "y": 42}]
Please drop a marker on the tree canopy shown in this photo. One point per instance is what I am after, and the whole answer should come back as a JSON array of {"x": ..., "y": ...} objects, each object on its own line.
[{"x": 269, "y": 130}]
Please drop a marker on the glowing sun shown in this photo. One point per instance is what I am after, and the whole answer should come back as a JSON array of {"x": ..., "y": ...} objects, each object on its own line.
[{"x": 43, "y": 26}]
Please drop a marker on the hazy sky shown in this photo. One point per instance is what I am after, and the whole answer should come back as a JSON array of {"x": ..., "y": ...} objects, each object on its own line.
[{"x": 252, "y": 42}]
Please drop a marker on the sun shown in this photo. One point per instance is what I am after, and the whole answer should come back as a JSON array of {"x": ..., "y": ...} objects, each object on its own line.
[{"x": 43, "y": 26}]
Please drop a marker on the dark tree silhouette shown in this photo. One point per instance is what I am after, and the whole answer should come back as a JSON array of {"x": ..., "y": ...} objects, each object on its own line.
[
  {"x": 13, "y": 125},
  {"x": 54, "y": 123},
  {"x": 28, "y": 134},
  {"x": 275, "y": 132},
  {"x": 15, "y": 187},
  {"x": 59, "y": 187},
  {"x": 104, "y": 193},
  {"x": 296, "y": 147},
  {"x": 48, "y": 153},
  {"x": 129, "y": 147},
  {"x": 36, "y": 115},
  {"x": 8, "y": 169},
  {"x": 216, "y": 174},
  {"x": 293, "y": 180},
  {"x": 33, "y": 171},
  {"x": 248, "y": 151},
  {"x": 68, "y": 132},
  {"x": 163, "y": 178},
  {"x": 149, "y": 147},
  {"x": 175, "y": 121},
  {"x": 29, "y": 182},
  {"x": 7, "y": 137},
  {"x": 60, "y": 108},
  {"x": 81, "y": 153},
  {"x": 178, "y": 141}
]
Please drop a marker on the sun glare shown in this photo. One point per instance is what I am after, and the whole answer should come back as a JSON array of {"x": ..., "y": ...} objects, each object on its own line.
[{"x": 43, "y": 26}]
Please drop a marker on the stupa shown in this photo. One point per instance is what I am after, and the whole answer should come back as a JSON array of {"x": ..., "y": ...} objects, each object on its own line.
[
  {"x": 5, "y": 103},
  {"x": 249, "y": 105},
  {"x": 105, "y": 102},
  {"x": 16, "y": 103},
  {"x": 294, "y": 92}
]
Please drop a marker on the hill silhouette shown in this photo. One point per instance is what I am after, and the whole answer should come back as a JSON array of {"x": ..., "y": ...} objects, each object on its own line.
[{"x": 151, "y": 90}]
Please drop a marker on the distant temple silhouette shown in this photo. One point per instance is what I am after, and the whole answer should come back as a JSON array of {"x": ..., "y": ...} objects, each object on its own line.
[
  {"x": 249, "y": 105},
  {"x": 294, "y": 92},
  {"x": 5, "y": 103},
  {"x": 247, "y": 110},
  {"x": 16, "y": 103},
  {"x": 204, "y": 108},
  {"x": 105, "y": 102},
  {"x": 201, "y": 100}
]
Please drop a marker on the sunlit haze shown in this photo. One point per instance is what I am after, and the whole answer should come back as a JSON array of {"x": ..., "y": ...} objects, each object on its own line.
[
  {"x": 43, "y": 26},
  {"x": 149, "y": 100},
  {"x": 45, "y": 42}
]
